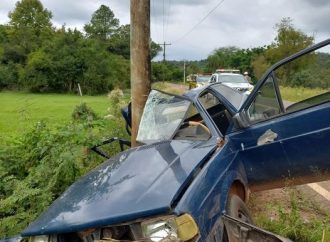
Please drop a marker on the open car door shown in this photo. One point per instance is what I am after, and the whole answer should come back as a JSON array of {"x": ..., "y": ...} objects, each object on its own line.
[
  {"x": 239, "y": 231},
  {"x": 287, "y": 138}
]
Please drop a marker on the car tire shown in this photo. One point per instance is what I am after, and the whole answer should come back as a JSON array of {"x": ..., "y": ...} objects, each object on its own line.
[{"x": 236, "y": 208}]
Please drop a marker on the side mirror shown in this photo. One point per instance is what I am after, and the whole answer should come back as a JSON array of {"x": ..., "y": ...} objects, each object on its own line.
[
  {"x": 240, "y": 120},
  {"x": 126, "y": 112}
]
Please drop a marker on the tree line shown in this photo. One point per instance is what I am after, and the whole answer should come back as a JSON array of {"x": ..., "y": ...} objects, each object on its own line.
[
  {"x": 36, "y": 56},
  {"x": 308, "y": 72}
]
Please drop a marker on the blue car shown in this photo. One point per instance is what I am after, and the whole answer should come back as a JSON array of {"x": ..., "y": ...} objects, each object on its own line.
[{"x": 199, "y": 157}]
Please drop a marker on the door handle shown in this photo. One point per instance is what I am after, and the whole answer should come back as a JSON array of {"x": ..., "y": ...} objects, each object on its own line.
[{"x": 268, "y": 137}]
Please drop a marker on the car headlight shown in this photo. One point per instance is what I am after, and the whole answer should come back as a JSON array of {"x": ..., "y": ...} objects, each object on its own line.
[
  {"x": 168, "y": 229},
  {"x": 41, "y": 238},
  {"x": 200, "y": 84}
]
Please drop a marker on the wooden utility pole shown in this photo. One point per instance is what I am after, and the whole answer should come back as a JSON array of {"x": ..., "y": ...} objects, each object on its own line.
[
  {"x": 184, "y": 72},
  {"x": 164, "y": 58},
  {"x": 140, "y": 61}
]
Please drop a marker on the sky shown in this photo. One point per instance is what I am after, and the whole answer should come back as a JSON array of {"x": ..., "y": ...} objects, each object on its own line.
[{"x": 241, "y": 23}]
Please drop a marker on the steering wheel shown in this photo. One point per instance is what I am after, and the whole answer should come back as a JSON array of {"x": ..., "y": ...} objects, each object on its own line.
[{"x": 194, "y": 123}]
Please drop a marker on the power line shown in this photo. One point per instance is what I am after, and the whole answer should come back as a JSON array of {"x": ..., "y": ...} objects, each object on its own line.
[
  {"x": 163, "y": 20},
  {"x": 167, "y": 15},
  {"x": 201, "y": 21},
  {"x": 153, "y": 15}
]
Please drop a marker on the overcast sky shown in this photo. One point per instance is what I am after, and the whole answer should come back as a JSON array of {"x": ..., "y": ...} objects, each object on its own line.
[{"x": 241, "y": 23}]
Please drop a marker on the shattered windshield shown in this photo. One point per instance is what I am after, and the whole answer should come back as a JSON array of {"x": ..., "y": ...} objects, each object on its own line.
[{"x": 162, "y": 116}]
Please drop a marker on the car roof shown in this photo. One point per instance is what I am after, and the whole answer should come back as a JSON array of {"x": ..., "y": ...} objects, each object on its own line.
[
  {"x": 232, "y": 98},
  {"x": 227, "y": 74}
]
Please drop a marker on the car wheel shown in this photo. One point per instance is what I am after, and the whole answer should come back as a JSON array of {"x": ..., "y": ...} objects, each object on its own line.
[{"x": 236, "y": 208}]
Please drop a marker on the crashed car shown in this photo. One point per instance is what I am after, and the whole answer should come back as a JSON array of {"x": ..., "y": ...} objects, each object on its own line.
[{"x": 200, "y": 156}]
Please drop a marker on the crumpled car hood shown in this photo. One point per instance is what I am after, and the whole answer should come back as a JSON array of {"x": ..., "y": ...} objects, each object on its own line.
[{"x": 137, "y": 183}]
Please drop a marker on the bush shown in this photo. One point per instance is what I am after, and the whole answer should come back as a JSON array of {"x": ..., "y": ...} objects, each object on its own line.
[
  {"x": 116, "y": 102},
  {"x": 38, "y": 166},
  {"x": 83, "y": 113}
]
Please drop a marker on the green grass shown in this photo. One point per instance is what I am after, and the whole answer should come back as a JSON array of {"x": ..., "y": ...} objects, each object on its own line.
[
  {"x": 175, "y": 88},
  {"x": 290, "y": 214},
  {"x": 20, "y": 111},
  {"x": 295, "y": 94}
]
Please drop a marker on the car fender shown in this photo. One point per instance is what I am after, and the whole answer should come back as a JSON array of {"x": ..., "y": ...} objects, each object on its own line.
[{"x": 205, "y": 199}]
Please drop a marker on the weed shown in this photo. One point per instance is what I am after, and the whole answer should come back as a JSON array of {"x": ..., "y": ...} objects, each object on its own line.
[{"x": 293, "y": 219}]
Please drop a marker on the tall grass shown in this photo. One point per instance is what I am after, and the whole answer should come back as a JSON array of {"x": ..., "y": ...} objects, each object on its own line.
[
  {"x": 295, "y": 94},
  {"x": 292, "y": 216}
]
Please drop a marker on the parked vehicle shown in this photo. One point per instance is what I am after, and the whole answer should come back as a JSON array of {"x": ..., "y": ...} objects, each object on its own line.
[
  {"x": 233, "y": 80},
  {"x": 198, "y": 80},
  {"x": 200, "y": 156}
]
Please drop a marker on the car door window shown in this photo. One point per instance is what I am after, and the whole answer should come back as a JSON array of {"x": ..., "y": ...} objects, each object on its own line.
[
  {"x": 265, "y": 104},
  {"x": 216, "y": 110},
  {"x": 305, "y": 82}
]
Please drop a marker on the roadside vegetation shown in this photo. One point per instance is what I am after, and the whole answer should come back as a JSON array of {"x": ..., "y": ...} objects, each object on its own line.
[
  {"x": 294, "y": 94},
  {"x": 20, "y": 110},
  {"x": 290, "y": 214},
  {"x": 46, "y": 130},
  {"x": 39, "y": 162}
]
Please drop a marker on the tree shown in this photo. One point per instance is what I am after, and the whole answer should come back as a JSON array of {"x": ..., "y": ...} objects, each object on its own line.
[
  {"x": 103, "y": 24},
  {"x": 32, "y": 15},
  {"x": 29, "y": 27},
  {"x": 154, "y": 49},
  {"x": 119, "y": 43},
  {"x": 233, "y": 57},
  {"x": 288, "y": 41}
]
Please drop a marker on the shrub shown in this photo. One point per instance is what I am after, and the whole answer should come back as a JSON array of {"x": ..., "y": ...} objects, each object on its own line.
[
  {"x": 38, "y": 166},
  {"x": 83, "y": 113}
]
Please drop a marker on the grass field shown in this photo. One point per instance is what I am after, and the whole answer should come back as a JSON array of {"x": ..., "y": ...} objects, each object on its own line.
[
  {"x": 295, "y": 94},
  {"x": 20, "y": 111}
]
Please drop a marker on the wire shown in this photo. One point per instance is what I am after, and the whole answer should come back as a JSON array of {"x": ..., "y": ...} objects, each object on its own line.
[
  {"x": 153, "y": 16},
  {"x": 167, "y": 16},
  {"x": 164, "y": 20},
  {"x": 201, "y": 21}
]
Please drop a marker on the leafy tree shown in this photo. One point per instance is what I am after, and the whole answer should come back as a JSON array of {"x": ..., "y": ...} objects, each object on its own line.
[
  {"x": 38, "y": 71},
  {"x": 154, "y": 49},
  {"x": 31, "y": 14},
  {"x": 259, "y": 65},
  {"x": 288, "y": 41},
  {"x": 103, "y": 24},
  {"x": 119, "y": 43},
  {"x": 30, "y": 25},
  {"x": 170, "y": 71},
  {"x": 221, "y": 58},
  {"x": 8, "y": 76},
  {"x": 233, "y": 57}
]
